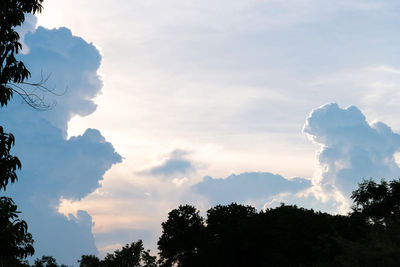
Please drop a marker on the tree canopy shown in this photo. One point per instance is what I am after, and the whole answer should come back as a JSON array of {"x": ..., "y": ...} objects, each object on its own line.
[
  {"x": 131, "y": 255},
  {"x": 237, "y": 235},
  {"x": 13, "y": 71},
  {"x": 182, "y": 237},
  {"x": 8, "y": 163},
  {"x": 15, "y": 241},
  {"x": 378, "y": 203}
]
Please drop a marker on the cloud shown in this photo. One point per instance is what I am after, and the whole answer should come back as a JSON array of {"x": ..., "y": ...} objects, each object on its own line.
[
  {"x": 179, "y": 182},
  {"x": 71, "y": 65},
  {"x": 245, "y": 187},
  {"x": 72, "y": 167},
  {"x": 55, "y": 168},
  {"x": 350, "y": 149},
  {"x": 174, "y": 164},
  {"x": 28, "y": 26},
  {"x": 131, "y": 205}
]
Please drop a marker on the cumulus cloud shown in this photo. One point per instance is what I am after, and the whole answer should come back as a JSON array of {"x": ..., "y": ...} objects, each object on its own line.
[
  {"x": 71, "y": 65},
  {"x": 53, "y": 167},
  {"x": 28, "y": 26},
  {"x": 175, "y": 163},
  {"x": 351, "y": 149}
]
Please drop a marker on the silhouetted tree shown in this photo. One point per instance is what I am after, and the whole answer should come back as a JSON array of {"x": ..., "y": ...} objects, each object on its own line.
[
  {"x": 236, "y": 235},
  {"x": 228, "y": 235},
  {"x": 8, "y": 163},
  {"x": 47, "y": 261},
  {"x": 378, "y": 203},
  {"x": 131, "y": 255},
  {"x": 15, "y": 241},
  {"x": 89, "y": 261},
  {"x": 13, "y": 72},
  {"x": 182, "y": 237},
  {"x": 376, "y": 212}
]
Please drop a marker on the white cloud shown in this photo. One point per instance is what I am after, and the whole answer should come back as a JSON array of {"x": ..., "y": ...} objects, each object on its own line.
[
  {"x": 351, "y": 149},
  {"x": 180, "y": 181},
  {"x": 55, "y": 168}
]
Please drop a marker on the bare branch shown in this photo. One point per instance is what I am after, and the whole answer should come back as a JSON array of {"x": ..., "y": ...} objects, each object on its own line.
[{"x": 35, "y": 97}]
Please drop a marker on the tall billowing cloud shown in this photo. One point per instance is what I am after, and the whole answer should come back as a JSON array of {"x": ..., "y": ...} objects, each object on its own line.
[
  {"x": 56, "y": 168},
  {"x": 71, "y": 65},
  {"x": 351, "y": 149}
]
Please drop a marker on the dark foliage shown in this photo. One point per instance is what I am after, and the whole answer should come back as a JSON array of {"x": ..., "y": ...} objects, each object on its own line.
[
  {"x": 131, "y": 255},
  {"x": 378, "y": 203},
  {"x": 8, "y": 163},
  {"x": 89, "y": 261},
  {"x": 182, "y": 237},
  {"x": 237, "y": 235},
  {"x": 13, "y": 71},
  {"x": 47, "y": 261},
  {"x": 15, "y": 241},
  {"x": 376, "y": 212}
]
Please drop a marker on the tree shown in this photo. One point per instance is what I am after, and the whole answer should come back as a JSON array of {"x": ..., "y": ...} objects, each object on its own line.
[
  {"x": 47, "y": 261},
  {"x": 182, "y": 237},
  {"x": 16, "y": 242},
  {"x": 228, "y": 235},
  {"x": 377, "y": 203},
  {"x": 131, "y": 255},
  {"x": 376, "y": 212},
  {"x": 12, "y": 71},
  {"x": 89, "y": 261},
  {"x": 236, "y": 235},
  {"x": 8, "y": 163}
]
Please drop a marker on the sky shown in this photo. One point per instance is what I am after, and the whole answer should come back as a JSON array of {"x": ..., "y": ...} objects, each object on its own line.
[{"x": 204, "y": 103}]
